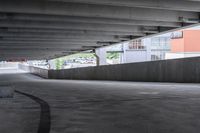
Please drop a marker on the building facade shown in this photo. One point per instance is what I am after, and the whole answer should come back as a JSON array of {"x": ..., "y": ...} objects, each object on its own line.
[
  {"x": 148, "y": 49},
  {"x": 184, "y": 44}
]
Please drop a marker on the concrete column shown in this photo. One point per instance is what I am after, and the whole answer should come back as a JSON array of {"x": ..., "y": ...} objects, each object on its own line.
[
  {"x": 100, "y": 54},
  {"x": 124, "y": 52},
  {"x": 97, "y": 59},
  {"x": 51, "y": 64}
]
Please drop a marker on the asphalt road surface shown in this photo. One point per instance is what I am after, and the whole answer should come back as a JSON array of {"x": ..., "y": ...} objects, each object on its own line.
[{"x": 72, "y": 106}]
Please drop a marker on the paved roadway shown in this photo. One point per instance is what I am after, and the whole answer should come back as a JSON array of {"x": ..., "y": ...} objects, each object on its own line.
[{"x": 98, "y": 106}]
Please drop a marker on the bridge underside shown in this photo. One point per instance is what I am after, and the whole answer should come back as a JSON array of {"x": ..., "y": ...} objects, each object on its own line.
[{"x": 45, "y": 29}]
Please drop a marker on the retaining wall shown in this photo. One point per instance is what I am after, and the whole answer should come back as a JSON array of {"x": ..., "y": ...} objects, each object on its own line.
[
  {"x": 8, "y": 65},
  {"x": 178, "y": 70},
  {"x": 34, "y": 70}
]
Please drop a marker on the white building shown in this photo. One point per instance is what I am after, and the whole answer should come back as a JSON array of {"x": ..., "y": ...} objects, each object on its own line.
[{"x": 148, "y": 49}]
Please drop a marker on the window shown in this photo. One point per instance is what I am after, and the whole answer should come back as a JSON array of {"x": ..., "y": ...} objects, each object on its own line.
[
  {"x": 154, "y": 57},
  {"x": 136, "y": 45},
  {"x": 160, "y": 43}
]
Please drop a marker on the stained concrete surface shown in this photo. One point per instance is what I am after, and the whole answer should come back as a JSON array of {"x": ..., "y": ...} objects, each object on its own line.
[
  {"x": 101, "y": 106},
  {"x": 184, "y": 70}
]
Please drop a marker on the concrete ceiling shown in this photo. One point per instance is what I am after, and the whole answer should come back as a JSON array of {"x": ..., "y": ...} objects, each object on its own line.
[{"x": 44, "y": 29}]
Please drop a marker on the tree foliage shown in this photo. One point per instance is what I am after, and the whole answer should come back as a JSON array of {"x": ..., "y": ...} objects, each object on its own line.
[
  {"x": 113, "y": 55},
  {"x": 59, "y": 63}
]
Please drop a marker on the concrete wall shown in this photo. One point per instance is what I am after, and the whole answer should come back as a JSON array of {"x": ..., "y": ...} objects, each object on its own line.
[
  {"x": 9, "y": 65},
  {"x": 178, "y": 70},
  {"x": 34, "y": 70}
]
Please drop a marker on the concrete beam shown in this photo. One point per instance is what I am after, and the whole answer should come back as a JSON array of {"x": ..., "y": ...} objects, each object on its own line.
[
  {"x": 50, "y": 35},
  {"x": 43, "y": 40},
  {"x": 27, "y": 50},
  {"x": 99, "y": 11},
  {"x": 59, "y": 39},
  {"x": 45, "y": 45},
  {"x": 63, "y": 37},
  {"x": 36, "y": 56},
  {"x": 76, "y": 26},
  {"x": 32, "y": 52},
  {"x": 178, "y": 5},
  {"x": 16, "y": 41},
  {"x": 67, "y": 37},
  {"x": 64, "y": 31},
  {"x": 78, "y": 19}
]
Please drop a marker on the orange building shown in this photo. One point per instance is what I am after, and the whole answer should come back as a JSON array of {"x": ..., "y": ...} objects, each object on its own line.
[{"x": 184, "y": 43}]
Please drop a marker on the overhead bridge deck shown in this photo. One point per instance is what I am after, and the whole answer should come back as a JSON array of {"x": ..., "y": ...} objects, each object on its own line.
[{"x": 46, "y": 29}]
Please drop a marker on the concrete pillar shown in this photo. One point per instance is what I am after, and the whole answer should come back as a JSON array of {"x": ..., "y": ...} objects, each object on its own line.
[
  {"x": 97, "y": 59},
  {"x": 100, "y": 54},
  {"x": 51, "y": 64},
  {"x": 123, "y": 52}
]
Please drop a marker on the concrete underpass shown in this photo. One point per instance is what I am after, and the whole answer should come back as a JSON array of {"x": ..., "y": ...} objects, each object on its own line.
[
  {"x": 149, "y": 97},
  {"x": 98, "y": 106}
]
